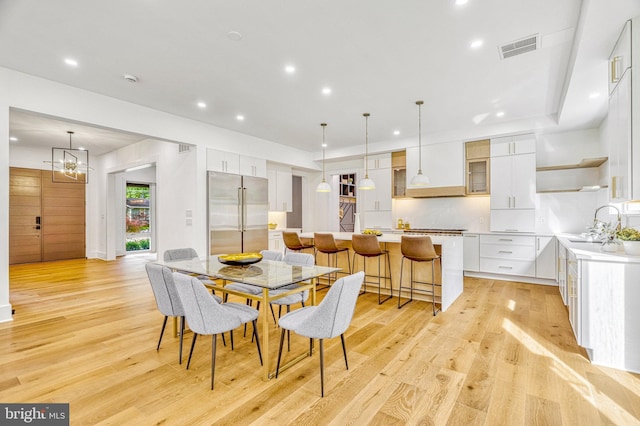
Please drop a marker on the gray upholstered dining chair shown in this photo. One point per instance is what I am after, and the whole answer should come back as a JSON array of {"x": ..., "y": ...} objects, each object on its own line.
[
  {"x": 329, "y": 319},
  {"x": 167, "y": 300},
  {"x": 185, "y": 254},
  {"x": 206, "y": 316}
]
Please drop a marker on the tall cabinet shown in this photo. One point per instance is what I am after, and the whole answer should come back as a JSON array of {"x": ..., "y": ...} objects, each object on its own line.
[
  {"x": 376, "y": 203},
  {"x": 513, "y": 183}
]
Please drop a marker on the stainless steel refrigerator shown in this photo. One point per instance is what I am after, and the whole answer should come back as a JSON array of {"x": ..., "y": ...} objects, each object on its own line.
[{"x": 238, "y": 218}]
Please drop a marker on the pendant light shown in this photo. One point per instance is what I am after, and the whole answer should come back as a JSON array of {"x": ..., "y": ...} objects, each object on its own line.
[
  {"x": 69, "y": 165},
  {"x": 366, "y": 183},
  {"x": 419, "y": 179},
  {"x": 323, "y": 186}
]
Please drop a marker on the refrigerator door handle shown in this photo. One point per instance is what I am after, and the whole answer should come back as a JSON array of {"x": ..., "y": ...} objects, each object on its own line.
[
  {"x": 244, "y": 209},
  {"x": 240, "y": 208}
]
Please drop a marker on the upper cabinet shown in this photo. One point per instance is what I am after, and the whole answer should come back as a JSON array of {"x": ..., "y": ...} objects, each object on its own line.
[
  {"x": 280, "y": 189},
  {"x": 477, "y": 154},
  {"x": 513, "y": 145},
  {"x": 222, "y": 161},
  {"x": 624, "y": 180},
  {"x": 379, "y": 161},
  {"x": 399, "y": 174},
  {"x": 378, "y": 199},
  {"x": 251, "y": 166},
  {"x": 620, "y": 58},
  {"x": 443, "y": 164}
]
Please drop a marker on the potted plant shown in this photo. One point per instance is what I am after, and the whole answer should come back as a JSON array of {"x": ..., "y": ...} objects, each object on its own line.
[{"x": 630, "y": 238}]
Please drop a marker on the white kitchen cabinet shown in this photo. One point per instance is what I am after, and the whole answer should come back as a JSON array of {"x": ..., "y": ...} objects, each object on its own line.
[
  {"x": 252, "y": 166},
  {"x": 442, "y": 163},
  {"x": 620, "y": 58},
  {"x": 276, "y": 242},
  {"x": 619, "y": 137},
  {"x": 513, "y": 145},
  {"x": 508, "y": 254},
  {"x": 378, "y": 199},
  {"x": 562, "y": 272},
  {"x": 280, "y": 190},
  {"x": 513, "y": 182},
  {"x": 379, "y": 161},
  {"x": 471, "y": 252},
  {"x": 573, "y": 295},
  {"x": 546, "y": 257},
  {"x": 222, "y": 161}
]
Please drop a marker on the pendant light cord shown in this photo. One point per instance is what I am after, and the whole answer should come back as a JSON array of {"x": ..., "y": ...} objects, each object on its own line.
[
  {"x": 366, "y": 145},
  {"x": 419, "y": 103},
  {"x": 324, "y": 125}
]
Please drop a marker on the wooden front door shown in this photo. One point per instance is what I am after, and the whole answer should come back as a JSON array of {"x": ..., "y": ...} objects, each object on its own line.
[
  {"x": 25, "y": 242},
  {"x": 47, "y": 219}
]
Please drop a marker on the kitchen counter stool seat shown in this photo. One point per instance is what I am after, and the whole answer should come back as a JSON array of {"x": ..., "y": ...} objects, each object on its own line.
[
  {"x": 418, "y": 249},
  {"x": 326, "y": 243},
  {"x": 292, "y": 242},
  {"x": 367, "y": 245}
]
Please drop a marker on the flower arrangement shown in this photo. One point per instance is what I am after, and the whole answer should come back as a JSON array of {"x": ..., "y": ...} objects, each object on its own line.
[{"x": 628, "y": 234}]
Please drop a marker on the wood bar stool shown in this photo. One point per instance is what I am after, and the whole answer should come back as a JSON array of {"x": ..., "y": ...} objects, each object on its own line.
[
  {"x": 293, "y": 243},
  {"x": 325, "y": 243},
  {"x": 369, "y": 246},
  {"x": 419, "y": 249}
]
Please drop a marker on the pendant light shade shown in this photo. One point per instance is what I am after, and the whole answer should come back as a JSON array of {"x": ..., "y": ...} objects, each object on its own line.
[
  {"x": 324, "y": 185},
  {"x": 419, "y": 180},
  {"x": 366, "y": 183}
]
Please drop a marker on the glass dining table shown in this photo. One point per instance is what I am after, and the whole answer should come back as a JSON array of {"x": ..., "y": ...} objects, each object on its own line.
[{"x": 266, "y": 274}]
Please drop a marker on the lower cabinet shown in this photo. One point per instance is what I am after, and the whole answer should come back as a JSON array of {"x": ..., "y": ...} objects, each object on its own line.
[
  {"x": 471, "y": 252},
  {"x": 275, "y": 241},
  {"x": 508, "y": 254},
  {"x": 602, "y": 303},
  {"x": 546, "y": 257}
]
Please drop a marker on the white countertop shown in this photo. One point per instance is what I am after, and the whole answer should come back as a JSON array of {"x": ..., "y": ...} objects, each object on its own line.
[{"x": 593, "y": 251}]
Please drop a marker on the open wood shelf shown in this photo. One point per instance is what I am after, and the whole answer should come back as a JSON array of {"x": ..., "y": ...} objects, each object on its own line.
[{"x": 584, "y": 164}]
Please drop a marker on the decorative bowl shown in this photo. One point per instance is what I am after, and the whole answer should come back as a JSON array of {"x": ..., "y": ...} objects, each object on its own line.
[
  {"x": 273, "y": 226},
  {"x": 240, "y": 258},
  {"x": 375, "y": 232}
]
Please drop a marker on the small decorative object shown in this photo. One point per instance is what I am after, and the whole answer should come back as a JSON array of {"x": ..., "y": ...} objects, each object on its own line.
[
  {"x": 240, "y": 258},
  {"x": 630, "y": 238},
  {"x": 273, "y": 226},
  {"x": 356, "y": 223},
  {"x": 375, "y": 232},
  {"x": 607, "y": 233}
]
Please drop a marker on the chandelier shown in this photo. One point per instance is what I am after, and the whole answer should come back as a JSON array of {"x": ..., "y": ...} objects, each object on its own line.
[{"x": 69, "y": 165}]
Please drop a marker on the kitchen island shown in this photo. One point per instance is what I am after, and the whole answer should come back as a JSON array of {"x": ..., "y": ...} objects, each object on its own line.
[{"x": 449, "y": 247}]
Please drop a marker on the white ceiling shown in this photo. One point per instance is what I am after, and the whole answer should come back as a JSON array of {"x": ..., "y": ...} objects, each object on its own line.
[{"x": 377, "y": 56}]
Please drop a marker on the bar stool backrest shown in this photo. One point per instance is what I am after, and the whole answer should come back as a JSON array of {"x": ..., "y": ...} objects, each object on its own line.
[
  {"x": 292, "y": 240},
  {"x": 366, "y": 245},
  {"x": 418, "y": 248},
  {"x": 325, "y": 242}
]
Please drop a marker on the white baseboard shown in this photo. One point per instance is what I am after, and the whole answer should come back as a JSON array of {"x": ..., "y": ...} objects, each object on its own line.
[{"x": 518, "y": 278}]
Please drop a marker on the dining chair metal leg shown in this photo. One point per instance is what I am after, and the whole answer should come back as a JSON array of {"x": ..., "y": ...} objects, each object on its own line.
[
  {"x": 321, "y": 367},
  {"x": 310, "y": 347},
  {"x": 213, "y": 356},
  {"x": 193, "y": 344},
  {"x": 255, "y": 334},
  {"x": 280, "y": 352},
  {"x": 181, "y": 339},
  {"x": 344, "y": 351},
  {"x": 231, "y": 336},
  {"x": 164, "y": 324}
]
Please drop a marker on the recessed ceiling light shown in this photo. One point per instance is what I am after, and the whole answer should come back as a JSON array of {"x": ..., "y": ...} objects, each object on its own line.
[
  {"x": 326, "y": 90},
  {"x": 396, "y": 132},
  {"x": 202, "y": 104},
  {"x": 239, "y": 117},
  {"x": 500, "y": 114},
  {"x": 82, "y": 148},
  {"x": 475, "y": 44},
  {"x": 130, "y": 78},
  {"x": 13, "y": 139},
  {"x": 234, "y": 35},
  {"x": 461, "y": 2},
  {"x": 594, "y": 95},
  {"x": 290, "y": 69},
  {"x": 324, "y": 145},
  {"x": 71, "y": 62}
]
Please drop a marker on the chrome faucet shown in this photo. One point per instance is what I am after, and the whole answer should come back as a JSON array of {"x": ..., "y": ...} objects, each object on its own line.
[{"x": 603, "y": 230}]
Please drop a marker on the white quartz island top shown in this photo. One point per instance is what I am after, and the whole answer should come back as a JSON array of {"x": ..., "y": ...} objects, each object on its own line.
[{"x": 451, "y": 253}]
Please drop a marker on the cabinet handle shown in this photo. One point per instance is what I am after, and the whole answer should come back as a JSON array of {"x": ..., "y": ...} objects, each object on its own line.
[
  {"x": 537, "y": 244},
  {"x": 614, "y": 69},
  {"x": 505, "y": 251},
  {"x": 504, "y": 267},
  {"x": 511, "y": 230},
  {"x": 505, "y": 239}
]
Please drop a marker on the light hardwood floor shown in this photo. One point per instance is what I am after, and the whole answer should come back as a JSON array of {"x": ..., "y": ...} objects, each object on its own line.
[{"x": 85, "y": 332}]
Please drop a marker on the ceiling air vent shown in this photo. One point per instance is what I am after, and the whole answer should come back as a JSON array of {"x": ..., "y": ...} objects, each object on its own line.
[
  {"x": 183, "y": 147},
  {"x": 518, "y": 47}
]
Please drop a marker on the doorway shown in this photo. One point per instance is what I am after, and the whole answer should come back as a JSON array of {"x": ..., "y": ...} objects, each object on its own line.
[{"x": 138, "y": 217}]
